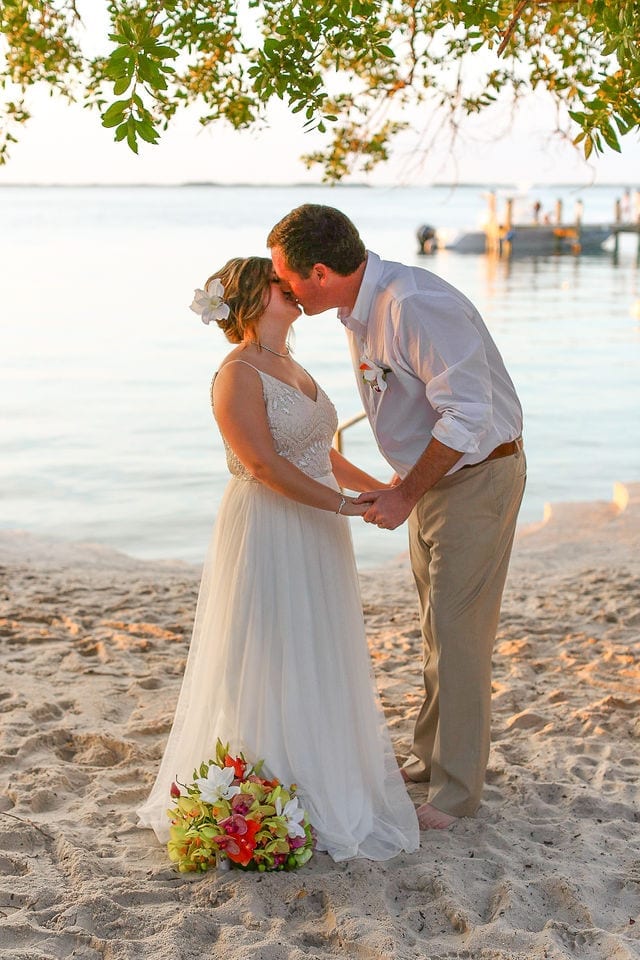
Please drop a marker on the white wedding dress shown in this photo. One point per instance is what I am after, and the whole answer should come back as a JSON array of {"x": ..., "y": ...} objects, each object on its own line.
[{"x": 278, "y": 664}]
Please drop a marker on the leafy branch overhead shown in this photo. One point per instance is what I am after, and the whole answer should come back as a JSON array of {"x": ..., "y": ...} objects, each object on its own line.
[{"x": 353, "y": 70}]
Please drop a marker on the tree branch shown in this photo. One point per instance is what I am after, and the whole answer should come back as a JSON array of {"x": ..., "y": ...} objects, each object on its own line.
[{"x": 517, "y": 13}]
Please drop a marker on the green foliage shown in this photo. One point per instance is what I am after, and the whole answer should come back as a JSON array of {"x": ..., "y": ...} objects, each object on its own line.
[{"x": 350, "y": 68}]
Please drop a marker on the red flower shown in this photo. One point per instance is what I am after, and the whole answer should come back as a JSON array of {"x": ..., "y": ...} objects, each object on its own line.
[
  {"x": 239, "y": 842},
  {"x": 238, "y": 765},
  {"x": 175, "y": 790}
]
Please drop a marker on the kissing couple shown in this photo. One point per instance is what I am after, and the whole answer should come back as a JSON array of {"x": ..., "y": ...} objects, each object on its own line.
[{"x": 278, "y": 665}]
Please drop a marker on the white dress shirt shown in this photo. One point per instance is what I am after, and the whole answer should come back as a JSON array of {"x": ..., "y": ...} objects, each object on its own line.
[{"x": 446, "y": 377}]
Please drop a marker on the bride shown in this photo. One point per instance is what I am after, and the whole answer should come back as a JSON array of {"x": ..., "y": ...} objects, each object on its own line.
[{"x": 278, "y": 665}]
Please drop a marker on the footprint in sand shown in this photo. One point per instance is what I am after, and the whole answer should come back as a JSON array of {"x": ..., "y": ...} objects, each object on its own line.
[
  {"x": 563, "y": 901},
  {"x": 527, "y": 720},
  {"x": 46, "y": 712},
  {"x": 95, "y": 750},
  {"x": 147, "y": 683},
  {"x": 313, "y": 913},
  {"x": 11, "y": 701},
  {"x": 10, "y": 867}
]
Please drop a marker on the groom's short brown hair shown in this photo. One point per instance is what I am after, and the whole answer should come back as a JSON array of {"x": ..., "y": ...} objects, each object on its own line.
[{"x": 314, "y": 233}]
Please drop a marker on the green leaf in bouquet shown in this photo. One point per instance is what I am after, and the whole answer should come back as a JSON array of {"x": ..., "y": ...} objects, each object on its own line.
[
  {"x": 264, "y": 860},
  {"x": 275, "y": 793},
  {"x": 303, "y": 855},
  {"x": 221, "y": 809},
  {"x": 221, "y": 751},
  {"x": 278, "y": 826},
  {"x": 277, "y": 846},
  {"x": 254, "y": 790},
  {"x": 211, "y": 831},
  {"x": 189, "y": 807}
]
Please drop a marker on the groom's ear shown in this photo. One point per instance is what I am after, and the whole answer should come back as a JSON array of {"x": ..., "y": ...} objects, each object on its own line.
[{"x": 321, "y": 273}]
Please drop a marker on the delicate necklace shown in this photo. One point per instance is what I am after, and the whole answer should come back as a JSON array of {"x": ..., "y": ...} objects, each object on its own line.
[{"x": 275, "y": 352}]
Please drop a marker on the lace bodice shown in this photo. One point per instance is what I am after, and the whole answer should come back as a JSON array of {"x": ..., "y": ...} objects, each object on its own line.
[{"x": 302, "y": 429}]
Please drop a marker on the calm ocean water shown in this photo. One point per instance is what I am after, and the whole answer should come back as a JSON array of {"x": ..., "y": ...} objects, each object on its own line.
[{"x": 106, "y": 433}]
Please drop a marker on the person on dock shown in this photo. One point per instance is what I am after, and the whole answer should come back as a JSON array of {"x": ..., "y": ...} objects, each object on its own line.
[{"x": 446, "y": 416}]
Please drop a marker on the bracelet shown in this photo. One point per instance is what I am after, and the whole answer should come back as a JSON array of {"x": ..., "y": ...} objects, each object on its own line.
[{"x": 343, "y": 500}]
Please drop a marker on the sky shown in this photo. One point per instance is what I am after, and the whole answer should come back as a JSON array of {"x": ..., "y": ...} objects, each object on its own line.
[{"x": 65, "y": 143}]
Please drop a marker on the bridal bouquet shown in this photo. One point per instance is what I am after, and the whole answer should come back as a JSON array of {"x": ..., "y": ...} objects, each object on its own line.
[{"x": 230, "y": 813}]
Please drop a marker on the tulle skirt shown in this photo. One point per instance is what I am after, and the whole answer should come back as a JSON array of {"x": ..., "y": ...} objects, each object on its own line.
[{"x": 279, "y": 668}]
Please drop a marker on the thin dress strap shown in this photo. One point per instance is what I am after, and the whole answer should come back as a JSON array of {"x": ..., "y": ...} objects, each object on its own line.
[
  {"x": 227, "y": 364},
  {"x": 246, "y": 362}
]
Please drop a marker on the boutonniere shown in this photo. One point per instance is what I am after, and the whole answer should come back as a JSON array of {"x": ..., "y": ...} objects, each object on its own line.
[{"x": 375, "y": 374}]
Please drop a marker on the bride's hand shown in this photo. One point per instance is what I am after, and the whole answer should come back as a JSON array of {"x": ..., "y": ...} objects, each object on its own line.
[
  {"x": 353, "y": 509},
  {"x": 381, "y": 485}
]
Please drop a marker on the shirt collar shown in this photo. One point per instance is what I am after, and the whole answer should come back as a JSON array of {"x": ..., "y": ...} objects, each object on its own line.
[{"x": 358, "y": 318}]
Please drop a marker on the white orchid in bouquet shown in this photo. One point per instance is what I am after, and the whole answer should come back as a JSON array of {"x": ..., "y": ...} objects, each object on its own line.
[
  {"x": 210, "y": 303},
  {"x": 217, "y": 785},
  {"x": 293, "y": 815}
]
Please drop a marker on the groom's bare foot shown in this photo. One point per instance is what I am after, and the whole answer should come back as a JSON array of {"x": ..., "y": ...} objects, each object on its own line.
[
  {"x": 405, "y": 776},
  {"x": 430, "y": 818}
]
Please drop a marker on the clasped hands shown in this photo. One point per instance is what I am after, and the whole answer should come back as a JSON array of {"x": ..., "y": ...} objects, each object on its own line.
[{"x": 386, "y": 508}]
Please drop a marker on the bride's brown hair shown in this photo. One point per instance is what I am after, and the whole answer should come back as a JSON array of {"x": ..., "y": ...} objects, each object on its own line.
[{"x": 245, "y": 281}]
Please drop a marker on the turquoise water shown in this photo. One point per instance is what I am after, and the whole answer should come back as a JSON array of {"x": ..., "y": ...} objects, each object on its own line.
[{"x": 106, "y": 432}]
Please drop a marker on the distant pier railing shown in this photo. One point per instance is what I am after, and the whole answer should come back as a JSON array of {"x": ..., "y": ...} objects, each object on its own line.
[{"x": 337, "y": 437}]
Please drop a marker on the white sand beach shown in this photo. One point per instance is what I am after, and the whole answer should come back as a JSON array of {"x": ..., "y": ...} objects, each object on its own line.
[{"x": 93, "y": 644}]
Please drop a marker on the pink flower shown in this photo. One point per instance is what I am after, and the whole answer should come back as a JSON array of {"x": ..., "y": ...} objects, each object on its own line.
[
  {"x": 235, "y": 824},
  {"x": 242, "y": 803},
  {"x": 228, "y": 844}
]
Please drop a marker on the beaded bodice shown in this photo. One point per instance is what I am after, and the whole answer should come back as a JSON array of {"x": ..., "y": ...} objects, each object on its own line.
[{"x": 302, "y": 429}]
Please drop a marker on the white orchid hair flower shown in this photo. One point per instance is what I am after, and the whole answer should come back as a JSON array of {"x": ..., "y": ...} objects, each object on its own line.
[{"x": 210, "y": 303}]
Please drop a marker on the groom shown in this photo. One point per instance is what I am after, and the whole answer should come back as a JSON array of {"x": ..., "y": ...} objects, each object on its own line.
[{"x": 446, "y": 416}]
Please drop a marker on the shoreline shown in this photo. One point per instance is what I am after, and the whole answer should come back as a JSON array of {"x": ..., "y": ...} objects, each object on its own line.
[
  {"x": 562, "y": 525},
  {"x": 94, "y": 644}
]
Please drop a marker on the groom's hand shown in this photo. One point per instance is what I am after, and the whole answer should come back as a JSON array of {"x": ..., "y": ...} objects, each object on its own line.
[{"x": 389, "y": 508}]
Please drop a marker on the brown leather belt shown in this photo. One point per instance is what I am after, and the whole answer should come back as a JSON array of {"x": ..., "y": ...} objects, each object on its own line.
[{"x": 503, "y": 450}]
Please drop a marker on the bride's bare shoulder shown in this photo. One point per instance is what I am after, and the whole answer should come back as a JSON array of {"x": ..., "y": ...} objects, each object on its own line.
[{"x": 236, "y": 368}]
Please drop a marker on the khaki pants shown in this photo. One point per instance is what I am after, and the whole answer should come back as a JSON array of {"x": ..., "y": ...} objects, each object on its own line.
[{"x": 460, "y": 537}]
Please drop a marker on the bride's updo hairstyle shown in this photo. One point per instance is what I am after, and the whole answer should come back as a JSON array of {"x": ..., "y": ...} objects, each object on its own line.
[{"x": 246, "y": 281}]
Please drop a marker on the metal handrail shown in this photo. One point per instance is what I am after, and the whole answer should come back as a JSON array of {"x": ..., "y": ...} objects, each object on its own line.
[{"x": 337, "y": 437}]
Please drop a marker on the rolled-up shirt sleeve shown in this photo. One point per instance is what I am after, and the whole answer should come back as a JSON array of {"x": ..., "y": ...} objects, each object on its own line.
[{"x": 438, "y": 341}]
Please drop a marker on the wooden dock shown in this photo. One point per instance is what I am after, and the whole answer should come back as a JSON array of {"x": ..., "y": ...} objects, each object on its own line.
[
  {"x": 502, "y": 236},
  {"x": 553, "y": 235},
  {"x": 616, "y": 230}
]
